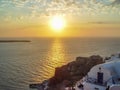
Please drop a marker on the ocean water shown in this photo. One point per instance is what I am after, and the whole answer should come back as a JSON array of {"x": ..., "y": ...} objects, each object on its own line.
[{"x": 23, "y": 63}]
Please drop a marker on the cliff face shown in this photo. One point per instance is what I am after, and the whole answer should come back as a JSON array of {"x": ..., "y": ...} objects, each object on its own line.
[{"x": 68, "y": 74}]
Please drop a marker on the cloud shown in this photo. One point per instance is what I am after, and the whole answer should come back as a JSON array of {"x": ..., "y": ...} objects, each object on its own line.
[
  {"x": 19, "y": 3},
  {"x": 115, "y": 2},
  {"x": 38, "y": 8},
  {"x": 104, "y": 22}
]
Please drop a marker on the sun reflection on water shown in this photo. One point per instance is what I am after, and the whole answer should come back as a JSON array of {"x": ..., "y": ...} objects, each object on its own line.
[
  {"x": 57, "y": 53},
  {"x": 56, "y": 56}
]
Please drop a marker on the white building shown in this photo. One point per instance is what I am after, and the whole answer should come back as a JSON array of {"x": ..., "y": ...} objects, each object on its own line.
[{"x": 104, "y": 76}]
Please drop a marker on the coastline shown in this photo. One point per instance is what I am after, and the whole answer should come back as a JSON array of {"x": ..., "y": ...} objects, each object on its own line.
[
  {"x": 67, "y": 75},
  {"x": 10, "y": 41}
]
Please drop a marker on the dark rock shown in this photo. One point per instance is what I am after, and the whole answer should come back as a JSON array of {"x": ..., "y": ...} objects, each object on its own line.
[
  {"x": 37, "y": 86},
  {"x": 60, "y": 75},
  {"x": 68, "y": 74}
]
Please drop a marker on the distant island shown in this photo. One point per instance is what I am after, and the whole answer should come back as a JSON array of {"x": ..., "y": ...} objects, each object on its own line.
[{"x": 10, "y": 41}]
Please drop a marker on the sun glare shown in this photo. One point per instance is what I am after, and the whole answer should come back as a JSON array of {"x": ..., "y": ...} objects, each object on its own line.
[{"x": 57, "y": 23}]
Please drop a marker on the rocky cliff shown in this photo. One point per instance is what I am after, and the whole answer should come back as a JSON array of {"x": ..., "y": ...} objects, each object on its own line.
[{"x": 67, "y": 75}]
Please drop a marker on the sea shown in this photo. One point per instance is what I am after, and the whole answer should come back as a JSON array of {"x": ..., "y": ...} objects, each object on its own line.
[{"x": 24, "y": 63}]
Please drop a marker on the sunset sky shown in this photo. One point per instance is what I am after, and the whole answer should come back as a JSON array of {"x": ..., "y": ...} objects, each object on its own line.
[{"x": 84, "y": 18}]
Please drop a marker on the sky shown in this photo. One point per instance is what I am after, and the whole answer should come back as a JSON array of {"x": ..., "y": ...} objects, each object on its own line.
[{"x": 84, "y": 18}]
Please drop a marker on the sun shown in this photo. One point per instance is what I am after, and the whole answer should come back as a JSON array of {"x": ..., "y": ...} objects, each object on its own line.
[{"x": 57, "y": 23}]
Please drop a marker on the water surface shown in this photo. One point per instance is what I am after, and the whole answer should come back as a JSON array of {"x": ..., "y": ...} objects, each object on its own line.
[{"x": 33, "y": 62}]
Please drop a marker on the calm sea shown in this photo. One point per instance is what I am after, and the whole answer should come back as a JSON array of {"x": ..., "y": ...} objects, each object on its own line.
[{"x": 23, "y": 63}]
